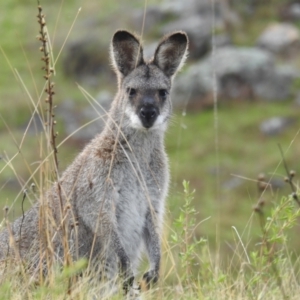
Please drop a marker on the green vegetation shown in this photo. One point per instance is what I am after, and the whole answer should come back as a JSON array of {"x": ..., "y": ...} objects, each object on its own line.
[{"x": 215, "y": 246}]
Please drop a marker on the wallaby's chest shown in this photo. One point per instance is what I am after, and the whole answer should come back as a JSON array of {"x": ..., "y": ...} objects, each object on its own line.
[
  {"x": 140, "y": 191},
  {"x": 141, "y": 188}
]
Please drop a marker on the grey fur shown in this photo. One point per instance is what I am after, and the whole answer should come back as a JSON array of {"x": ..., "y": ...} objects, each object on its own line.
[{"x": 116, "y": 187}]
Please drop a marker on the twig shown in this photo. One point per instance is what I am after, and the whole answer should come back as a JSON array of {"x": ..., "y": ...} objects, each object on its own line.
[
  {"x": 50, "y": 123},
  {"x": 49, "y": 84},
  {"x": 290, "y": 176},
  {"x": 258, "y": 208},
  {"x": 23, "y": 217}
]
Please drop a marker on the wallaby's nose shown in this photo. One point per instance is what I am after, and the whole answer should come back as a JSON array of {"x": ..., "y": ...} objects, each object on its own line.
[{"x": 148, "y": 115}]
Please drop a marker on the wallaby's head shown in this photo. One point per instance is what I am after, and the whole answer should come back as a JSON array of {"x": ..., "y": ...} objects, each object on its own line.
[{"x": 144, "y": 86}]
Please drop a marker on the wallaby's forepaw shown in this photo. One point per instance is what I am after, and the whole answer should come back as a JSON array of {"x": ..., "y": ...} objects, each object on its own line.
[
  {"x": 150, "y": 277},
  {"x": 127, "y": 284}
]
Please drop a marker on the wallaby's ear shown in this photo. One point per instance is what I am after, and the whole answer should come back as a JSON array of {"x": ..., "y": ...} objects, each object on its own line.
[
  {"x": 171, "y": 52},
  {"x": 126, "y": 52}
]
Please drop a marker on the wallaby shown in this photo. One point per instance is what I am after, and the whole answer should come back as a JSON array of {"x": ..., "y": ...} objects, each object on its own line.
[{"x": 115, "y": 189}]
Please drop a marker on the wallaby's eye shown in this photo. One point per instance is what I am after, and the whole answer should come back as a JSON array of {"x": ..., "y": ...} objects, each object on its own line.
[
  {"x": 131, "y": 92},
  {"x": 163, "y": 94}
]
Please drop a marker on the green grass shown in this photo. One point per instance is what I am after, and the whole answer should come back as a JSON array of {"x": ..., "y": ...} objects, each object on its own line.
[{"x": 243, "y": 153}]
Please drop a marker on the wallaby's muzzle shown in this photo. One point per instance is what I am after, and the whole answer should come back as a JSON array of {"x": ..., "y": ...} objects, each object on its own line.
[{"x": 148, "y": 114}]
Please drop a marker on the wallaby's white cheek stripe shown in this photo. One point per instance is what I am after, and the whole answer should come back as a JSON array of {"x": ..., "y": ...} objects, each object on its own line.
[
  {"x": 160, "y": 123},
  {"x": 134, "y": 119}
]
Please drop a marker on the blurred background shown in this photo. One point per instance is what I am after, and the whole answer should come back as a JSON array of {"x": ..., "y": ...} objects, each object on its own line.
[{"x": 244, "y": 57}]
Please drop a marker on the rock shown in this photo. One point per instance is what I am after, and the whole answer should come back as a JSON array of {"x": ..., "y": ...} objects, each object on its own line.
[
  {"x": 198, "y": 31},
  {"x": 275, "y": 125},
  {"x": 192, "y": 89},
  {"x": 188, "y": 7},
  {"x": 232, "y": 183},
  {"x": 240, "y": 73},
  {"x": 277, "y": 85},
  {"x": 73, "y": 118},
  {"x": 247, "y": 8},
  {"x": 297, "y": 99},
  {"x": 276, "y": 183},
  {"x": 196, "y": 17},
  {"x": 85, "y": 59},
  {"x": 222, "y": 40},
  {"x": 149, "y": 50},
  {"x": 290, "y": 11},
  {"x": 155, "y": 14},
  {"x": 294, "y": 10},
  {"x": 35, "y": 126},
  {"x": 203, "y": 9},
  {"x": 104, "y": 99},
  {"x": 280, "y": 38}
]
